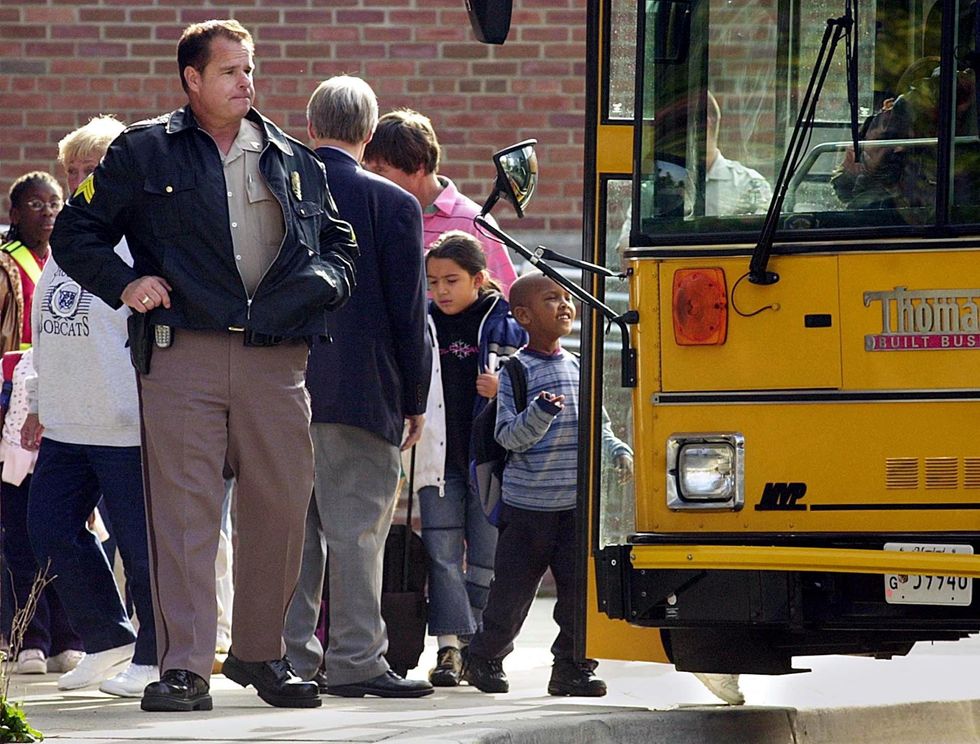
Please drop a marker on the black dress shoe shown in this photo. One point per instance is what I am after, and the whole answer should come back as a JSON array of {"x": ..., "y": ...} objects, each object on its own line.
[
  {"x": 177, "y": 690},
  {"x": 387, "y": 685},
  {"x": 321, "y": 681},
  {"x": 274, "y": 680}
]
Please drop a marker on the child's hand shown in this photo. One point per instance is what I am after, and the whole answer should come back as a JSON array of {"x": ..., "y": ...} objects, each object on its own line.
[
  {"x": 30, "y": 433},
  {"x": 555, "y": 400},
  {"x": 486, "y": 384},
  {"x": 624, "y": 467}
]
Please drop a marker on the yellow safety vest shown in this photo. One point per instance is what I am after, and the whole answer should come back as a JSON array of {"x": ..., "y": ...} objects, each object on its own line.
[{"x": 24, "y": 258}]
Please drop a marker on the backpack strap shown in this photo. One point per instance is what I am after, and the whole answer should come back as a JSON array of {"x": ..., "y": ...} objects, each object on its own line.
[{"x": 518, "y": 382}]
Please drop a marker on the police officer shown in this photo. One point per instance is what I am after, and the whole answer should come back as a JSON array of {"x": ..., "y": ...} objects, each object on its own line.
[{"x": 238, "y": 255}]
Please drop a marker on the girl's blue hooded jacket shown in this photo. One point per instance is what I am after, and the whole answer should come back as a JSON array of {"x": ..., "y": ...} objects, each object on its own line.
[{"x": 500, "y": 336}]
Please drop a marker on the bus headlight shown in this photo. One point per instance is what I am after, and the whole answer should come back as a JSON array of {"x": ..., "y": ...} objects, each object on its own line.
[{"x": 705, "y": 471}]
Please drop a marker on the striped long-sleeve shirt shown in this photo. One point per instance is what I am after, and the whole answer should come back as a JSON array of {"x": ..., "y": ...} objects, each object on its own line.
[{"x": 542, "y": 470}]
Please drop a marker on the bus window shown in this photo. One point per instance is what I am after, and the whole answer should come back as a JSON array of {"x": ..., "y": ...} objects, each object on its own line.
[
  {"x": 707, "y": 149},
  {"x": 620, "y": 56},
  {"x": 966, "y": 147},
  {"x": 717, "y": 119},
  {"x": 618, "y": 518}
]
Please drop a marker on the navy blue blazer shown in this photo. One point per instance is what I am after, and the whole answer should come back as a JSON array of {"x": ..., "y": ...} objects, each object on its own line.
[{"x": 377, "y": 369}]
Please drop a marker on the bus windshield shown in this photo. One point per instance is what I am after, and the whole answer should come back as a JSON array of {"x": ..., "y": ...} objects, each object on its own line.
[{"x": 721, "y": 82}]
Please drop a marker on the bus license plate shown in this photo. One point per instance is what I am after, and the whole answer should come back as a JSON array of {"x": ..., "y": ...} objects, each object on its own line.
[{"x": 928, "y": 590}]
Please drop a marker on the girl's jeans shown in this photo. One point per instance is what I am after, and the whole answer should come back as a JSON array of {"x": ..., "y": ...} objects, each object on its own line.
[{"x": 461, "y": 545}]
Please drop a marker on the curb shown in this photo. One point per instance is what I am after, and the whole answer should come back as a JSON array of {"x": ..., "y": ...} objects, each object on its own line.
[{"x": 956, "y": 722}]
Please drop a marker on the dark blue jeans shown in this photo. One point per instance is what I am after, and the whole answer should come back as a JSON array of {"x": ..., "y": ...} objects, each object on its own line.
[
  {"x": 68, "y": 481},
  {"x": 49, "y": 629}
]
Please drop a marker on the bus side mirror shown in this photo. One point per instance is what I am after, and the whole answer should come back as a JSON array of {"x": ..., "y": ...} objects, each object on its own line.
[
  {"x": 490, "y": 19},
  {"x": 517, "y": 176}
]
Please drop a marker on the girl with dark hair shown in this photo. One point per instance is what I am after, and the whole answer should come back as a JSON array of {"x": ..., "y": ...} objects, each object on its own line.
[
  {"x": 472, "y": 331},
  {"x": 35, "y": 200},
  {"x": 49, "y": 643}
]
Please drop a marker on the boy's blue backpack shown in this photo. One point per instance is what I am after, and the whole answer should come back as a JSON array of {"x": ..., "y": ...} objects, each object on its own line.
[{"x": 487, "y": 455}]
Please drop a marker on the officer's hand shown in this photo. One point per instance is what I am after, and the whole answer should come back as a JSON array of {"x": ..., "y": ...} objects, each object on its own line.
[{"x": 146, "y": 293}]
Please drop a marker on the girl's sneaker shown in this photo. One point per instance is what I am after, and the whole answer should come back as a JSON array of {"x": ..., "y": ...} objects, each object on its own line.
[
  {"x": 31, "y": 661},
  {"x": 93, "y": 668},
  {"x": 449, "y": 667},
  {"x": 65, "y": 661},
  {"x": 131, "y": 681}
]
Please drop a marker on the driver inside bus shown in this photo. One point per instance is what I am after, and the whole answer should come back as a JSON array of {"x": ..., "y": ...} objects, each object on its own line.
[{"x": 730, "y": 188}]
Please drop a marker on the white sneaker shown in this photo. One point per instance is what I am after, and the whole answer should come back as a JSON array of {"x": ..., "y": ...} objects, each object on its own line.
[
  {"x": 31, "y": 661},
  {"x": 723, "y": 686},
  {"x": 95, "y": 667},
  {"x": 65, "y": 661},
  {"x": 131, "y": 681}
]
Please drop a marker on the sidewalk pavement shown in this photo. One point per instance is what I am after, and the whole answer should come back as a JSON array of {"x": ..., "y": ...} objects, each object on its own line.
[{"x": 933, "y": 696}]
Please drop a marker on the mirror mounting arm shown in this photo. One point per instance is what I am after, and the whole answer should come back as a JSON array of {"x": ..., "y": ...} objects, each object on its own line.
[
  {"x": 538, "y": 259},
  {"x": 549, "y": 255}
]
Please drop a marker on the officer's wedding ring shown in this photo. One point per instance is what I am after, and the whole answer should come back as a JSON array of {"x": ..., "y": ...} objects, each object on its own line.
[{"x": 146, "y": 299}]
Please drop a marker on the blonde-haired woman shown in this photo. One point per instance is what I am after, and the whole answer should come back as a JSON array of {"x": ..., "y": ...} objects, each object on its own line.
[{"x": 85, "y": 426}]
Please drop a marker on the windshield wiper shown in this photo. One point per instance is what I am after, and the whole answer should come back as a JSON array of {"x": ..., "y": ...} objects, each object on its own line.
[{"x": 844, "y": 27}]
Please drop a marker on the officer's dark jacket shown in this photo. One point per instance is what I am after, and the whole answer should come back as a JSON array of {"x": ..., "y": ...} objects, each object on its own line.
[{"x": 162, "y": 185}]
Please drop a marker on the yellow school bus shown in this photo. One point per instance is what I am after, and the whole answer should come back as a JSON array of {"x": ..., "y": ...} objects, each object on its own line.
[{"x": 785, "y": 195}]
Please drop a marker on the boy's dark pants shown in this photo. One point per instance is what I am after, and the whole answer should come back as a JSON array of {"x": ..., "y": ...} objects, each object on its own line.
[{"x": 529, "y": 543}]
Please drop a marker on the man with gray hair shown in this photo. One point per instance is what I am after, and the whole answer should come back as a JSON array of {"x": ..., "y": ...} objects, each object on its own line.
[{"x": 368, "y": 390}]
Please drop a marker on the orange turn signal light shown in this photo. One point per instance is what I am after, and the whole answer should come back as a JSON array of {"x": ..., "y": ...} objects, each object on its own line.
[{"x": 700, "y": 307}]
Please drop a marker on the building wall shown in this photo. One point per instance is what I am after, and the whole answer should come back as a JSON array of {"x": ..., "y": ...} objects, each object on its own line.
[{"x": 63, "y": 61}]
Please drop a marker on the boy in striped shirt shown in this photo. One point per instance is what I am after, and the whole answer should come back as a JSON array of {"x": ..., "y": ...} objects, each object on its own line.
[{"x": 537, "y": 522}]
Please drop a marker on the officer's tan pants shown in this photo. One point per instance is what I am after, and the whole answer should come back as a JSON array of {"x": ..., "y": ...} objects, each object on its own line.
[{"x": 207, "y": 400}]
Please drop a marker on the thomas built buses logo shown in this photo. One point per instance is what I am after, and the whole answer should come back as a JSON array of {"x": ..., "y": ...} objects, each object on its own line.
[{"x": 925, "y": 320}]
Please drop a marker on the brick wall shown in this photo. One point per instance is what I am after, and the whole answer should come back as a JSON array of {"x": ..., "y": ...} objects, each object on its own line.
[{"x": 63, "y": 61}]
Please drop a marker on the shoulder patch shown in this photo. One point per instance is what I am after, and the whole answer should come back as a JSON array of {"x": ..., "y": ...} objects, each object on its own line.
[{"x": 87, "y": 188}]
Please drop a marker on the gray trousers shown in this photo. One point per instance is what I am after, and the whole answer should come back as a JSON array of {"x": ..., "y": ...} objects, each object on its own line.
[
  {"x": 209, "y": 400},
  {"x": 349, "y": 516}
]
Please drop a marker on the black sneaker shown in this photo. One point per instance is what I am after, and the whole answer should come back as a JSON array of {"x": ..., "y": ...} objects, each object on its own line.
[
  {"x": 486, "y": 675},
  {"x": 576, "y": 679},
  {"x": 449, "y": 667}
]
